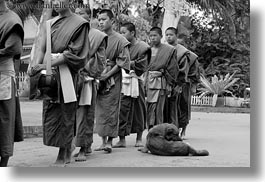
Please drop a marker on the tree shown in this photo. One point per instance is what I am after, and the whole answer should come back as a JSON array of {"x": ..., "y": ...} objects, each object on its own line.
[{"x": 220, "y": 51}]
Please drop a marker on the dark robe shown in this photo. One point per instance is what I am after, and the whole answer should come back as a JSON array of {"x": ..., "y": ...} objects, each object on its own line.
[
  {"x": 108, "y": 98},
  {"x": 189, "y": 76},
  {"x": 165, "y": 62},
  {"x": 164, "y": 140},
  {"x": 133, "y": 110},
  {"x": 174, "y": 103},
  {"x": 86, "y": 113},
  {"x": 11, "y": 40},
  {"x": 69, "y": 37}
]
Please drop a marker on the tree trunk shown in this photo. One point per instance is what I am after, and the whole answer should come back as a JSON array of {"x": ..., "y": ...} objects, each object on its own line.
[
  {"x": 46, "y": 15},
  {"x": 215, "y": 97},
  {"x": 169, "y": 20}
]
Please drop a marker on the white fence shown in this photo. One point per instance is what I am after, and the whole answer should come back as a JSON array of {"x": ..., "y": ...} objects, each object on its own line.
[
  {"x": 208, "y": 100},
  {"x": 20, "y": 78},
  {"x": 203, "y": 101}
]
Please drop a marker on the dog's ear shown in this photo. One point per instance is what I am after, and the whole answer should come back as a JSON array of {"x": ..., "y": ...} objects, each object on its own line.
[
  {"x": 172, "y": 134},
  {"x": 169, "y": 134}
]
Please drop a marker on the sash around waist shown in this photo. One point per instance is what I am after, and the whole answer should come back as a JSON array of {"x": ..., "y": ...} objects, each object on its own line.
[
  {"x": 7, "y": 67},
  {"x": 156, "y": 80}
]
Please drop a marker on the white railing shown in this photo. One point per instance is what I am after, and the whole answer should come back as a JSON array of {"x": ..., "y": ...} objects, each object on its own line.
[
  {"x": 208, "y": 100},
  {"x": 21, "y": 76},
  {"x": 201, "y": 101}
]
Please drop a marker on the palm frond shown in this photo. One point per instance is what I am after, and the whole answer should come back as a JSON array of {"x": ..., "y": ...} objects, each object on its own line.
[{"x": 217, "y": 86}]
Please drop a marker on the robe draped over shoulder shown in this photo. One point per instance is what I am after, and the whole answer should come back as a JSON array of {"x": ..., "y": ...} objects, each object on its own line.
[
  {"x": 11, "y": 39},
  {"x": 97, "y": 58},
  {"x": 108, "y": 102},
  {"x": 69, "y": 37},
  {"x": 166, "y": 62},
  {"x": 133, "y": 110}
]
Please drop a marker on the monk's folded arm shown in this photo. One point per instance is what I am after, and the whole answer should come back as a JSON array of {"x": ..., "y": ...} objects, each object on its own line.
[
  {"x": 100, "y": 55},
  {"x": 140, "y": 64},
  {"x": 114, "y": 70},
  {"x": 183, "y": 69},
  {"x": 76, "y": 54},
  {"x": 13, "y": 46},
  {"x": 123, "y": 59},
  {"x": 172, "y": 70},
  {"x": 60, "y": 60}
]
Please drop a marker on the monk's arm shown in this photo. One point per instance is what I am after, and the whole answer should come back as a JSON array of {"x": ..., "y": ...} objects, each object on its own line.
[
  {"x": 13, "y": 46},
  {"x": 194, "y": 74},
  {"x": 77, "y": 52},
  {"x": 140, "y": 65},
  {"x": 41, "y": 53},
  {"x": 122, "y": 61},
  {"x": 98, "y": 59},
  {"x": 172, "y": 70},
  {"x": 183, "y": 69}
]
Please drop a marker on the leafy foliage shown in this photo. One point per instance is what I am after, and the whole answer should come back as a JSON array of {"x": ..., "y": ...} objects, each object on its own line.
[
  {"x": 24, "y": 8},
  {"x": 220, "y": 51},
  {"x": 217, "y": 86}
]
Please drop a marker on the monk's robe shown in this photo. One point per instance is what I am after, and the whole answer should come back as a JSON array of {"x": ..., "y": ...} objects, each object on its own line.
[
  {"x": 69, "y": 36},
  {"x": 189, "y": 75},
  {"x": 11, "y": 41},
  {"x": 193, "y": 77},
  {"x": 88, "y": 92},
  {"x": 172, "y": 106},
  {"x": 108, "y": 98},
  {"x": 133, "y": 108},
  {"x": 161, "y": 77}
]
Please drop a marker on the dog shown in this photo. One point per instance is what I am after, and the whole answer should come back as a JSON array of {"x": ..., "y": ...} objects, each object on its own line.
[{"x": 164, "y": 140}]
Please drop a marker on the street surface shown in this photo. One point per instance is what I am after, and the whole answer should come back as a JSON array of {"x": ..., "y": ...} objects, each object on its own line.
[{"x": 225, "y": 135}]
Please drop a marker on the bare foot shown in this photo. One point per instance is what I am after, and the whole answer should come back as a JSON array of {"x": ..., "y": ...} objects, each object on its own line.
[
  {"x": 108, "y": 148},
  {"x": 59, "y": 163},
  {"x": 81, "y": 156},
  {"x": 88, "y": 151},
  {"x": 139, "y": 143},
  {"x": 100, "y": 148},
  {"x": 183, "y": 133},
  {"x": 61, "y": 158},
  {"x": 120, "y": 144},
  {"x": 143, "y": 150},
  {"x": 68, "y": 155}
]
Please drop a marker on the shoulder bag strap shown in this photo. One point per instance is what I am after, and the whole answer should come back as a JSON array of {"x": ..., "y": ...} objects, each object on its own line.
[{"x": 48, "y": 48}]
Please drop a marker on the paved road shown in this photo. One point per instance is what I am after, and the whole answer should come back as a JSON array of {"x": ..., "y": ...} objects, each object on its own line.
[{"x": 225, "y": 135}]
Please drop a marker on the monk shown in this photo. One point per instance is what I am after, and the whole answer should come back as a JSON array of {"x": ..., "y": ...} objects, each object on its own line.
[
  {"x": 164, "y": 140},
  {"x": 70, "y": 50},
  {"x": 11, "y": 41},
  {"x": 161, "y": 77},
  {"x": 89, "y": 80},
  {"x": 187, "y": 80},
  {"x": 108, "y": 99},
  {"x": 133, "y": 108}
]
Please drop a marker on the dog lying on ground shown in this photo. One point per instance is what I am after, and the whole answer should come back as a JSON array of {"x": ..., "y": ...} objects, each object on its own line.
[{"x": 164, "y": 140}]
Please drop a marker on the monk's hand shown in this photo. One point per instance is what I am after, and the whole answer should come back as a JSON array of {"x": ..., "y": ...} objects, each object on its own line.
[
  {"x": 37, "y": 68},
  {"x": 97, "y": 84},
  {"x": 104, "y": 77}
]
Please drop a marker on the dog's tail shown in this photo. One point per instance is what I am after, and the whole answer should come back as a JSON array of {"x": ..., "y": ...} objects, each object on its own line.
[{"x": 201, "y": 153}]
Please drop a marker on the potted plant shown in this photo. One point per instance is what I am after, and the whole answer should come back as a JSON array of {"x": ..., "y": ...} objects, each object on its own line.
[{"x": 217, "y": 87}]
